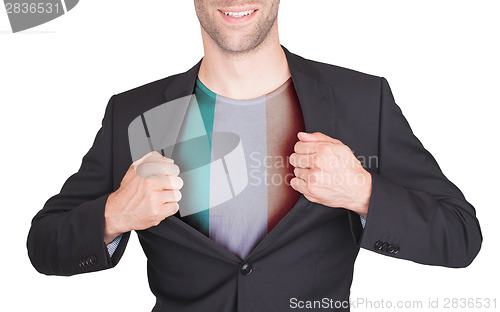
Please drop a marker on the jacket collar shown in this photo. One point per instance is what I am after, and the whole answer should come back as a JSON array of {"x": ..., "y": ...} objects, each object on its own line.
[{"x": 315, "y": 97}]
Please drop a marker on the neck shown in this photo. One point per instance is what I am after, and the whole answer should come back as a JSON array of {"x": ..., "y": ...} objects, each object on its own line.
[{"x": 245, "y": 75}]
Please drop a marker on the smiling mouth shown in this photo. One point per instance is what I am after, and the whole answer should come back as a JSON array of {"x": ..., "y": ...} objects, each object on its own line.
[{"x": 238, "y": 14}]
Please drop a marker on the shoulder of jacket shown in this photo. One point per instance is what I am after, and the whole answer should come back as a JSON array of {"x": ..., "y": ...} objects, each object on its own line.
[
  {"x": 335, "y": 74},
  {"x": 154, "y": 88}
]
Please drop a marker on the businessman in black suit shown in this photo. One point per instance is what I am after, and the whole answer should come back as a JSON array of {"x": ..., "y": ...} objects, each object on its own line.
[{"x": 412, "y": 211}]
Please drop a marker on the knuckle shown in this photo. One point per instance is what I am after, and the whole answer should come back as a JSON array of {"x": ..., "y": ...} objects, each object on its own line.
[
  {"x": 296, "y": 147},
  {"x": 177, "y": 195},
  {"x": 326, "y": 149},
  {"x": 344, "y": 149},
  {"x": 172, "y": 208},
  {"x": 167, "y": 183},
  {"x": 302, "y": 161},
  {"x": 179, "y": 182},
  {"x": 322, "y": 148},
  {"x": 175, "y": 169},
  {"x": 317, "y": 161}
]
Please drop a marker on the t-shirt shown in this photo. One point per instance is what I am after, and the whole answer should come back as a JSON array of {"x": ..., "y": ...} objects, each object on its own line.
[{"x": 244, "y": 191}]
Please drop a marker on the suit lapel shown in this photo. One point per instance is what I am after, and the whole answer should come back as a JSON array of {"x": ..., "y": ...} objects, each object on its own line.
[
  {"x": 317, "y": 105},
  {"x": 316, "y": 98},
  {"x": 318, "y": 108},
  {"x": 182, "y": 84}
]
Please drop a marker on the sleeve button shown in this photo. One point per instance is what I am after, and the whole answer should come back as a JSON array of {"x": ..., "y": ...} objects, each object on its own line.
[
  {"x": 390, "y": 249},
  {"x": 396, "y": 249}
]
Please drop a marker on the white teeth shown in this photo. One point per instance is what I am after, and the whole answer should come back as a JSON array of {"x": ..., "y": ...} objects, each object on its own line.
[{"x": 239, "y": 14}]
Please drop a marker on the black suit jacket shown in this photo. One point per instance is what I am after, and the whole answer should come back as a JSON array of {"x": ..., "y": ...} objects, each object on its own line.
[{"x": 415, "y": 212}]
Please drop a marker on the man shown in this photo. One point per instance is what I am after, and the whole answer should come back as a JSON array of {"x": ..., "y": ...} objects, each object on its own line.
[{"x": 267, "y": 245}]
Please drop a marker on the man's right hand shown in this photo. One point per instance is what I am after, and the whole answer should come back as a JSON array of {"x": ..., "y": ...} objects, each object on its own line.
[{"x": 148, "y": 193}]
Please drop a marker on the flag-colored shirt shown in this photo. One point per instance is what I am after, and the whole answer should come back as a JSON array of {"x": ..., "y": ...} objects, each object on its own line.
[{"x": 245, "y": 191}]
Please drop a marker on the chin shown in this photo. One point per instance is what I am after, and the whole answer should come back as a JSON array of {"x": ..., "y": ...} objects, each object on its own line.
[{"x": 238, "y": 45}]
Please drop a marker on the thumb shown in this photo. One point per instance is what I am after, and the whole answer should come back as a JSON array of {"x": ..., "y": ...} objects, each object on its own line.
[
  {"x": 147, "y": 157},
  {"x": 152, "y": 156},
  {"x": 316, "y": 136}
]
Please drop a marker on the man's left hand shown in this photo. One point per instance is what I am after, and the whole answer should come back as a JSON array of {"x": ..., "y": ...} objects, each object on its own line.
[{"x": 327, "y": 172}]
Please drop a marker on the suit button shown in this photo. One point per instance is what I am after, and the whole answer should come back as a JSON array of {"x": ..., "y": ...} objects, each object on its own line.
[
  {"x": 93, "y": 260},
  {"x": 378, "y": 245},
  {"x": 384, "y": 246},
  {"x": 246, "y": 269}
]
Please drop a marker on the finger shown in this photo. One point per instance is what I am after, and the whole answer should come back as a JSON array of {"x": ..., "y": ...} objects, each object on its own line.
[
  {"x": 157, "y": 157},
  {"x": 152, "y": 156},
  {"x": 298, "y": 184},
  {"x": 301, "y": 186},
  {"x": 171, "y": 183},
  {"x": 303, "y": 147},
  {"x": 302, "y": 161},
  {"x": 136, "y": 164},
  {"x": 169, "y": 160},
  {"x": 302, "y": 173},
  {"x": 157, "y": 169},
  {"x": 169, "y": 196},
  {"x": 147, "y": 156},
  {"x": 171, "y": 208},
  {"x": 311, "y": 176},
  {"x": 172, "y": 169},
  {"x": 316, "y": 136}
]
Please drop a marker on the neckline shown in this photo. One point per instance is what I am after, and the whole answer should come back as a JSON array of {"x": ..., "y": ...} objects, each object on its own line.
[{"x": 228, "y": 100}]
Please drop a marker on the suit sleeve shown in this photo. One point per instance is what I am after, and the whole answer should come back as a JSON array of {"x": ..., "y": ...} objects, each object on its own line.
[
  {"x": 415, "y": 212},
  {"x": 67, "y": 236}
]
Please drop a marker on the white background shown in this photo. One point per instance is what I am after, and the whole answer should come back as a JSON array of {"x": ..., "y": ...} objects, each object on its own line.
[{"x": 441, "y": 59}]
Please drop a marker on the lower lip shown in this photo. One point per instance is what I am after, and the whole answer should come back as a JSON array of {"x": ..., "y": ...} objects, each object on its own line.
[{"x": 237, "y": 20}]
